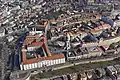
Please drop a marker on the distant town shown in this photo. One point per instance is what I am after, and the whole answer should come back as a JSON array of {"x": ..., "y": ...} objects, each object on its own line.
[{"x": 59, "y": 39}]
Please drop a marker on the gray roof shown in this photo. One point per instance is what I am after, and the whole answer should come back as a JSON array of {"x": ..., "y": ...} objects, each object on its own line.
[
  {"x": 117, "y": 67},
  {"x": 111, "y": 68},
  {"x": 2, "y": 30},
  {"x": 106, "y": 78}
]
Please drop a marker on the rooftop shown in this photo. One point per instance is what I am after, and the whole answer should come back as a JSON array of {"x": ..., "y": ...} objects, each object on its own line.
[
  {"x": 35, "y": 49},
  {"x": 2, "y": 30}
]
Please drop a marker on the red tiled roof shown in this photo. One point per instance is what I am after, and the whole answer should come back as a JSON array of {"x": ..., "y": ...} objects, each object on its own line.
[
  {"x": 29, "y": 39},
  {"x": 32, "y": 41},
  {"x": 36, "y": 44}
]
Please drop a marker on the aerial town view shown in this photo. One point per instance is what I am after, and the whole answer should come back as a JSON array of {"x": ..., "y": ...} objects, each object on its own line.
[{"x": 59, "y": 39}]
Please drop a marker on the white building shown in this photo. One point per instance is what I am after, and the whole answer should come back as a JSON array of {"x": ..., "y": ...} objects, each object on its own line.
[
  {"x": 46, "y": 62},
  {"x": 10, "y": 38},
  {"x": 94, "y": 51}
]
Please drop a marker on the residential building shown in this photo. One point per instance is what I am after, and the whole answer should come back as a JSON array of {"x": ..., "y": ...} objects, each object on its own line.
[
  {"x": 10, "y": 38},
  {"x": 73, "y": 76},
  {"x": 85, "y": 52},
  {"x": 117, "y": 68},
  {"x": 2, "y": 32},
  {"x": 111, "y": 70},
  {"x": 100, "y": 72},
  {"x": 82, "y": 76}
]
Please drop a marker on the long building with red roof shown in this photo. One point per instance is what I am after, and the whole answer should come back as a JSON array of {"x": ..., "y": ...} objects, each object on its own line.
[{"x": 35, "y": 53}]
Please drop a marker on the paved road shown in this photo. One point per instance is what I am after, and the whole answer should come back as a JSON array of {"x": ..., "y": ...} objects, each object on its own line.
[{"x": 69, "y": 64}]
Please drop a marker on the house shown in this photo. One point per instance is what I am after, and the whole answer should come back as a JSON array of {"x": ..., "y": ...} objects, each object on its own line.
[
  {"x": 20, "y": 76},
  {"x": 89, "y": 74},
  {"x": 58, "y": 78},
  {"x": 91, "y": 1},
  {"x": 86, "y": 52},
  {"x": 10, "y": 30},
  {"x": 110, "y": 70},
  {"x": 100, "y": 72},
  {"x": 117, "y": 67},
  {"x": 106, "y": 78},
  {"x": 73, "y": 76},
  {"x": 2, "y": 32},
  {"x": 116, "y": 23},
  {"x": 62, "y": 77},
  {"x": 107, "y": 20},
  {"x": 82, "y": 76},
  {"x": 65, "y": 77},
  {"x": 10, "y": 38}
]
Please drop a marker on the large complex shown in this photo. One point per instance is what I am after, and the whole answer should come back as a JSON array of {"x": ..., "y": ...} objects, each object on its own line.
[{"x": 35, "y": 53}]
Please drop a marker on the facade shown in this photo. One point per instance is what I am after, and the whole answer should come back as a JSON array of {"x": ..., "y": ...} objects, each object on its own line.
[{"x": 43, "y": 63}]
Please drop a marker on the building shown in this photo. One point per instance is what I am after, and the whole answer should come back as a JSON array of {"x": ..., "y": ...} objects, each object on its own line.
[
  {"x": 89, "y": 74},
  {"x": 10, "y": 38},
  {"x": 2, "y": 32},
  {"x": 86, "y": 52},
  {"x": 111, "y": 70},
  {"x": 82, "y": 76},
  {"x": 117, "y": 68},
  {"x": 35, "y": 53},
  {"x": 91, "y": 1},
  {"x": 20, "y": 76},
  {"x": 73, "y": 76},
  {"x": 100, "y": 72}
]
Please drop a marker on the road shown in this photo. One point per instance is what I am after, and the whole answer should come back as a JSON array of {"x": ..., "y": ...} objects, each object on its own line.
[{"x": 70, "y": 64}]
